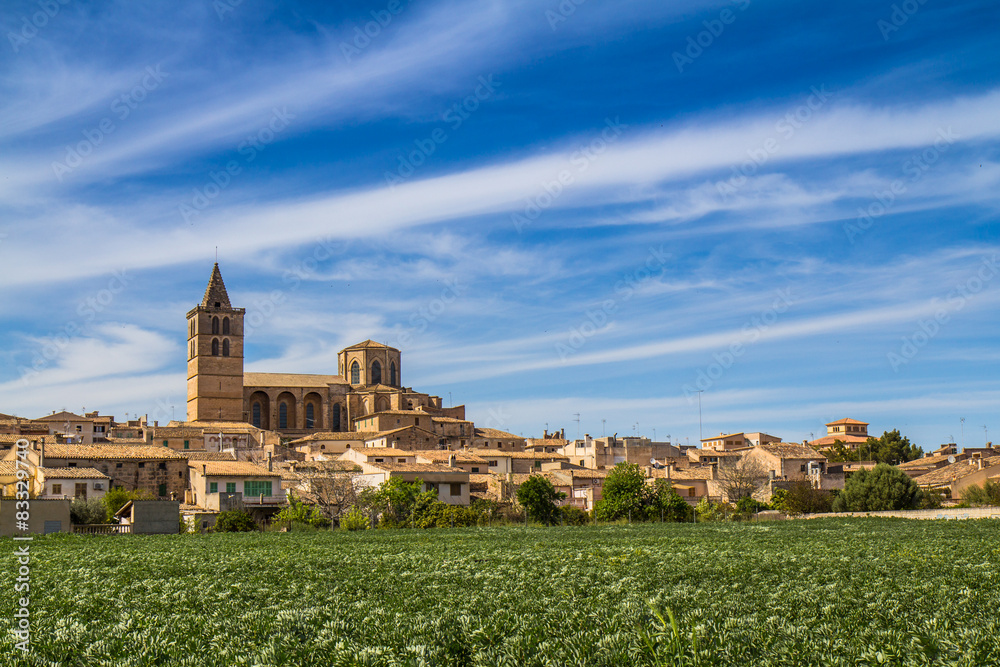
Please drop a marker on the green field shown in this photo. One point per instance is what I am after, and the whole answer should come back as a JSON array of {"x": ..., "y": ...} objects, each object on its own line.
[{"x": 821, "y": 592}]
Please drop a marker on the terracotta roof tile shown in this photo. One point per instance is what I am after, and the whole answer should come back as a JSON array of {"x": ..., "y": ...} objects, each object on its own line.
[{"x": 148, "y": 452}]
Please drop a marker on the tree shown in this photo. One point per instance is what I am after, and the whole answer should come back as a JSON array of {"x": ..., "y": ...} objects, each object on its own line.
[
  {"x": 891, "y": 448},
  {"x": 234, "y": 521},
  {"x": 670, "y": 504},
  {"x": 396, "y": 499},
  {"x": 839, "y": 452},
  {"x": 741, "y": 478},
  {"x": 625, "y": 494},
  {"x": 885, "y": 487},
  {"x": 539, "y": 497},
  {"x": 116, "y": 498}
]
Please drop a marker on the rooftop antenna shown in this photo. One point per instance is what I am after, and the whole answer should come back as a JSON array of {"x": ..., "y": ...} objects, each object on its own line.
[
  {"x": 986, "y": 431},
  {"x": 576, "y": 418},
  {"x": 216, "y": 254},
  {"x": 962, "y": 419}
]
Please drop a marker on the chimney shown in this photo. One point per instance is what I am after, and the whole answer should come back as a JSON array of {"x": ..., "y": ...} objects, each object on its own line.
[
  {"x": 715, "y": 471},
  {"x": 41, "y": 454},
  {"x": 545, "y": 434},
  {"x": 670, "y": 469},
  {"x": 204, "y": 468},
  {"x": 451, "y": 460},
  {"x": 270, "y": 463},
  {"x": 980, "y": 463}
]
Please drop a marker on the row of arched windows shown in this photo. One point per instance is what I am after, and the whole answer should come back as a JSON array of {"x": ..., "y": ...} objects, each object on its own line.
[
  {"x": 215, "y": 347},
  {"x": 225, "y": 326},
  {"x": 284, "y": 411},
  {"x": 376, "y": 373}
]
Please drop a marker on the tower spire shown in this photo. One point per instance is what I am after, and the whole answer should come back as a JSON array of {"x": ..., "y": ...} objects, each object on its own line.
[{"x": 216, "y": 293}]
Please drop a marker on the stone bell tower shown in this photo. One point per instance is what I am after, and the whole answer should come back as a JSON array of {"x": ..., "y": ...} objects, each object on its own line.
[{"x": 215, "y": 356}]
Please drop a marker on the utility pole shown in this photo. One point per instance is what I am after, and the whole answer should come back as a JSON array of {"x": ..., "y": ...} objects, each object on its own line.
[{"x": 986, "y": 431}]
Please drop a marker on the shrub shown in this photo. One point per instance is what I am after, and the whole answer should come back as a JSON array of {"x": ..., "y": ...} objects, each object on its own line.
[
  {"x": 234, "y": 521},
  {"x": 301, "y": 514},
  {"x": 802, "y": 498},
  {"x": 979, "y": 496},
  {"x": 574, "y": 516},
  {"x": 116, "y": 498},
  {"x": 87, "y": 511},
  {"x": 355, "y": 519},
  {"x": 885, "y": 487}
]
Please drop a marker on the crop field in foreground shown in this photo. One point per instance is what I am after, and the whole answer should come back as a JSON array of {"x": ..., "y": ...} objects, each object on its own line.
[{"x": 821, "y": 592}]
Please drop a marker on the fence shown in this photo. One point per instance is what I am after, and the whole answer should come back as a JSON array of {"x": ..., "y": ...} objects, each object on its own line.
[{"x": 103, "y": 529}]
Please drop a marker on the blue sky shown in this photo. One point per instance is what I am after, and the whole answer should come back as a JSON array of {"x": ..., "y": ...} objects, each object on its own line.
[{"x": 551, "y": 208}]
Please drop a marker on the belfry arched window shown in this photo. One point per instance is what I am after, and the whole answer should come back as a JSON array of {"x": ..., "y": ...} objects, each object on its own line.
[
  {"x": 355, "y": 373},
  {"x": 215, "y": 325},
  {"x": 310, "y": 416},
  {"x": 256, "y": 414},
  {"x": 225, "y": 347},
  {"x": 283, "y": 415},
  {"x": 215, "y": 347},
  {"x": 225, "y": 326},
  {"x": 392, "y": 374},
  {"x": 376, "y": 372}
]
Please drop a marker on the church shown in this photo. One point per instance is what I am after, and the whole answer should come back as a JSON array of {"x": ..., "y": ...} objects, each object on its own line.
[{"x": 366, "y": 392}]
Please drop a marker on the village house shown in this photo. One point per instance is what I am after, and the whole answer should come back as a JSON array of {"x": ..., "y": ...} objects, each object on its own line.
[
  {"x": 491, "y": 438},
  {"x": 87, "y": 429},
  {"x": 160, "y": 471},
  {"x": 328, "y": 445},
  {"x": 607, "y": 452},
  {"x": 407, "y": 437},
  {"x": 215, "y": 481},
  {"x": 467, "y": 461},
  {"x": 378, "y": 455},
  {"x": 851, "y": 432},
  {"x": 451, "y": 484},
  {"x": 954, "y": 478},
  {"x": 725, "y": 443},
  {"x": 72, "y": 483}
]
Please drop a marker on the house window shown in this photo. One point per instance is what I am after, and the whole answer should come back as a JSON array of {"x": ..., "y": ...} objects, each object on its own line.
[
  {"x": 81, "y": 490},
  {"x": 230, "y": 487},
  {"x": 161, "y": 490},
  {"x": 256, "y": 488},
  {"x": 118, "y": 465},
  {"x": 379, "y": 460},
  {"x": 187, "y": 444},
  {"x": 256, "y": 414},
  {"x": 493, "y": 464},
  {"x": 142, "y": 464},
  {"x": 416, "y": 421},
  {"x": 475, "y": 470},
  {"x": 283, "y": 415},
  {"x": 166, "y": 443},
  {"x": 429, "y": 487},
  {"x": 57, "y": 489},
  {"x": 538, "y": 464},
  {"x": 456, "y": 489},
  {"x": 163, "y": 466},
  {"x": 582, "y": 463},
  {"x": 400, "y": 460},
  {"x": 213, "y": 487},
  {"x": 310, "y": 415},
  {"x": 355, "y": 373},
  {"x": 802, "y": 468}
]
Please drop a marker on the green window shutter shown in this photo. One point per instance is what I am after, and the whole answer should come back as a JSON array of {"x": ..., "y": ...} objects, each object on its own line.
[
  {"x": 166, "y": 443},
  {"x": 256, "y": 488},
  {"x": 230, "y": 487},
  {"x": 213, "y": 487},
  {"x": 187, "y": 444},
  {"x": 162, "y": 490}
]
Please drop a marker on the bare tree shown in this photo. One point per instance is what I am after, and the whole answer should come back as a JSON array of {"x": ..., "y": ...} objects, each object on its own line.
[
  {"x": 742, "y": 477},
  {"x": 331, "y": 486}
]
